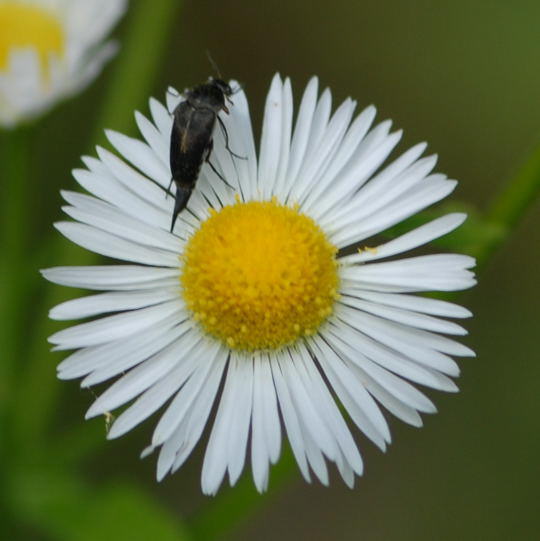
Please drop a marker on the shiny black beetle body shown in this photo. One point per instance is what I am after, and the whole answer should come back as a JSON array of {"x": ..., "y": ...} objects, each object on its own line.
[{"x": 194, "y": 120}]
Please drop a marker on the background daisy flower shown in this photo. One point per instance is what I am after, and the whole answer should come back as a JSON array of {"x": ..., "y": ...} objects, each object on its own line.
[
  {"x": 255, "y": 292},
  {"x": 51, "y": 49}
]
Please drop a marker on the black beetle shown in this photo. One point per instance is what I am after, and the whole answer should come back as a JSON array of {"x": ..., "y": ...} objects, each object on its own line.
[{"x": 192, "y": 131}]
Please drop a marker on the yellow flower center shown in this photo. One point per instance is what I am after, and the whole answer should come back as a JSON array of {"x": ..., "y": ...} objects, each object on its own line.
[
  {"x": 26, "y": 25},
  {"x": 259, "y": 275}
]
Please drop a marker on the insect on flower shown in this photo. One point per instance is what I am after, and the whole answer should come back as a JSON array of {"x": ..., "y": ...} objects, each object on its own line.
[{"x": 194, "y": 120}]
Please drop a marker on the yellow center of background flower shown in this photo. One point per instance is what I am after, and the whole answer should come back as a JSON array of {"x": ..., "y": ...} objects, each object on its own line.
[
  {"x": 259, "y": 275},
  {"x": 25, "y": 25}
]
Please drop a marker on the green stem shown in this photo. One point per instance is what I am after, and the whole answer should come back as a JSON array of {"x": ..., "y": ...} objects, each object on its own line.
[
  {"x": 152, "y": 23},
  {"x": 135, "y": 69},
  {"x": 513, "y": 201},
  {"x": 15, "y": 158}
]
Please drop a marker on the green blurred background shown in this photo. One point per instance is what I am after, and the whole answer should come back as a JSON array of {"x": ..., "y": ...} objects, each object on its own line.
[{"x": 462, "y": 75}]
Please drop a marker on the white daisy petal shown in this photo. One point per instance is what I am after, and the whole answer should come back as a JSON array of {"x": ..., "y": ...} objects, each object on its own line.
[
  {"x": 371, "y": 150},
  {"x": 105, "y": 361},
  {"x": 394, "y": 361},
  {"x": 406, "y": 317},
  {"x": 347, "y": 473},
  {"x": 352, "y": 394},
  {"x": 141, "y": 156},
  {"x": 154, "y": 341},
  {"x": 246, "y": 306},
  {"x": 329, "y": 412},
  {"x": 240, "y": 420},
  {"x": 300, "y": 137},
  {"x": 285, "y": 136},
  {"x": 318, "y": 127},
  {"x": 425, "y": 273},
  {"x": 134, "y": 181},
  {"x": 321, "y": 115},
  {"x": 210, "y": 186},
  {"x": 104, "y": 186},
  {"x": 333, "y": 183},
  {"x": 161, "y": 117},
  {"x": 113, "y": 277},
  {"x": 402, "y": 411},
  {"x": 402, "y": 335},
  {"x": 153, "y": 137},
  {"x": 94, "y": 165},
  {"x": 198, "y": 364},
  {"x": 173, "y": 98},
  {"x": 270, "y": 139},
  {"x": 378, "y": 193},
  {"x": 323, "y": 154},
  {"x": 200, "y": 411},
  {"x": 259, "y": 451},
  {"x": 178, "y": 447},
  {"x": 314, "y": 456},
  {"x": 423, "y": 305},
  {"x": 143, "y": 376},
  {"x": 272, "y": 425},
  {"x": 113, "y": 327},
  {"x": 110, "y": 302},
  {"x": 103, "y": 243},
  {"x": 306, "y": 408},
  {"x": 353, "y": 172},
  {"x": 265, "y": 426},
  {"x": 400, "y": 389},
  {"x": 91, "y": 211},
  {"x": 430, "y": 193},
  {"x": 290, "y": 418},
  {"x": 417, "y": 237},
  {"x": 242, "y": 142},
  {"x": 153, "y": 398},
  {"x": 216, "y": 458}
]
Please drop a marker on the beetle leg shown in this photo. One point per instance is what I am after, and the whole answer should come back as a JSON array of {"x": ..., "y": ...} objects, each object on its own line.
[
  {"x": 168, "y": 190},
  {"x": 226, "y": 136},
  {"x": 207, "y": 160}
]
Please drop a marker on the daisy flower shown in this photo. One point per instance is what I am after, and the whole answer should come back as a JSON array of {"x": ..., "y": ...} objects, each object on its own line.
[
  {"x": 249, "y": 307},
  {"x": 50, "y": 49}
]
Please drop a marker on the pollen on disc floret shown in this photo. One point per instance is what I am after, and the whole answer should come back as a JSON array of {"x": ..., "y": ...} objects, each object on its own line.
[{"x": 259, "y": 275}]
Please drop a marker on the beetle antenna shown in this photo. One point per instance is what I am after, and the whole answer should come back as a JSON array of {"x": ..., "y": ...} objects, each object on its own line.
[{"x": 214, "y": 65}]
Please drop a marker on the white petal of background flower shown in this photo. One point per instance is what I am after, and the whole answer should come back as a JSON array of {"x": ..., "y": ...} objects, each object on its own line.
[
  {"x": 84, "y": 25},
  {"x": 378, "y": 343}
]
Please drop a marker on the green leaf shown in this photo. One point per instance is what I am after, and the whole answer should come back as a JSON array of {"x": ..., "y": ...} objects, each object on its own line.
[
  {"x": 65, "y": 509},
  {"x": 123, "y": 512}
]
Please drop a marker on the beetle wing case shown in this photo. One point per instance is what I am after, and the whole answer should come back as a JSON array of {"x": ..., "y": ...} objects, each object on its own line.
[{"x": 191, "y": 138}]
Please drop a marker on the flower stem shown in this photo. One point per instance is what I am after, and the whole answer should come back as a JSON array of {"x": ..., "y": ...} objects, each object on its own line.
[
  {"x": 15, "y": 158},
  {"x": 139, "y": 63},
  {"x": 135, "y": 69},
  {"x": 508, "y": 207}
]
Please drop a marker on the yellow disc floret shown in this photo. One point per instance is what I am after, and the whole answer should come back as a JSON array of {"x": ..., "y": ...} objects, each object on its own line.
[
  {"x": 29, "y": 25},
  {"x": 259, "y": 275}
]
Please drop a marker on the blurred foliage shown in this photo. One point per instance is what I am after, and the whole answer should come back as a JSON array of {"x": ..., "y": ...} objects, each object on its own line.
[{"x": 460, "y": 74}]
